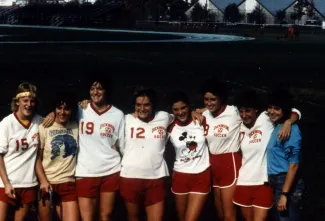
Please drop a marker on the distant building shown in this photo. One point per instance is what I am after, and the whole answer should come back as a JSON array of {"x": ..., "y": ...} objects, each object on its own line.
[
  {"x": 215, "y": 6},
  {"x": 247, "y": 6},
  {"x": 318, "y": 7},
  {"x": 269, "y": 7},
  {"x": 6, "y": 3},
  {"x": 211, "y": 7}
]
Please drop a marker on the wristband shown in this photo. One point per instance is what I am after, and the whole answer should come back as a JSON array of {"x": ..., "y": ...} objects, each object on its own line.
[{"x": 285, "y": 193}]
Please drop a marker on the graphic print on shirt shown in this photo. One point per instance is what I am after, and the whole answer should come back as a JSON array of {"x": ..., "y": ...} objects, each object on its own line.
[
  {"x": 63, "y": 142},
  {"x": 106, "y": 130},
  {"x": 36, "y": 137},
  {"x": 159, "y": 132},
  {"x": 221, "y": 130},
  {"x": 191, "y": 146},
  {"x": 255, "y": 136}
]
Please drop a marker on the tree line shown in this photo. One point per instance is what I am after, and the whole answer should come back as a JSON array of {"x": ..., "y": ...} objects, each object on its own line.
[{"x": 175, "y": 10}]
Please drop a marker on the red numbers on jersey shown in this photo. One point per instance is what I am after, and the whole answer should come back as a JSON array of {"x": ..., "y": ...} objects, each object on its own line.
[
  {"x": 22, "y": 144},
  {"x": 89, "y": 127},
  {"x": 139, "y": 132},
  {"x": 206, "y": 129}
]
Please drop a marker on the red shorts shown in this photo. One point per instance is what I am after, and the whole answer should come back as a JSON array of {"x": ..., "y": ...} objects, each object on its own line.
[
  {"x": 225, "y": 168},
  {"x": 63, "y": 192},
  {"x": 185, "y": 183},
  {"x": 23, "y": 196},
  {"x": 91, "y": 187},
  {"x": 260, "y": 196},
  {"x": 147, "y": 191}
]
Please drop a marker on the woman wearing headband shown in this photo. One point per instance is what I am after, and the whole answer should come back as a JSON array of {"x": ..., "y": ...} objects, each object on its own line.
[{"x": 19, "y": 141}]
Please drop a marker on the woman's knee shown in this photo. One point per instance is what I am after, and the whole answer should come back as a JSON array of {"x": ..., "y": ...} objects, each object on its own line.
[
  {"x": 229, "y": 214},
  {"x": 106, "y": 215}
]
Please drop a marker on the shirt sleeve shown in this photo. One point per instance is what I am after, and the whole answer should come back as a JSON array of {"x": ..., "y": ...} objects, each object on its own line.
[
  {"x": 171, "y": 118},
  {"x": 293, "y": 145},
  {"x": 4, "y": 139},
  {"x": 296, "y": 111},
  {"x": 121, "y": 136},
  {"x": 42, "y": 136},
  {"x": 237, "y": 117}
]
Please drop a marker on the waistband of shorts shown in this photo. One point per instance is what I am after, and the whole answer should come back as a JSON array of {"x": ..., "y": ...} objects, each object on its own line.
[
  {"x": 220, "y": 154},
  {"x": 279, "y": 174}
]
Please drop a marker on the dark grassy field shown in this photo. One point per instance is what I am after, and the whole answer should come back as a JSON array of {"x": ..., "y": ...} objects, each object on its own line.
[{"x": 260, "y": 64}]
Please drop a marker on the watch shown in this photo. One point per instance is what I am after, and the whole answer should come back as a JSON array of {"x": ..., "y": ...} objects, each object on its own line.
[{"x": 285, "y": 193}]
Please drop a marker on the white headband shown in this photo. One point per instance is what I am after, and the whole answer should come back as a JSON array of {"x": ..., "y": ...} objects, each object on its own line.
[{"x": 25, "y": 94}]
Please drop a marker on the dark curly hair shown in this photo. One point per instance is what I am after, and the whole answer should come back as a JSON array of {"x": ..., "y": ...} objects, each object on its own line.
[
  {"x": 283, "y": 99},
  {"x": 177, "y": 96},
  {"x": 68, "y": 98},
  {"x": 217, "y": 88}
]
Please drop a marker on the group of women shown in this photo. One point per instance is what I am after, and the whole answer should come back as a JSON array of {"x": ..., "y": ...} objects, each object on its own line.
[{"x": 250, "y": 156}]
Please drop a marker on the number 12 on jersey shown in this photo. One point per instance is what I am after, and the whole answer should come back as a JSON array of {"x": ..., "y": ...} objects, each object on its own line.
[{"x": 137, "y": 132}]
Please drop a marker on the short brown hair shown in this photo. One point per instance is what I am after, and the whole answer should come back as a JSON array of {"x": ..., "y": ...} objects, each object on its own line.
[
  {"x": 23, "y": 87},
  {"x": 146, "y": 92}
]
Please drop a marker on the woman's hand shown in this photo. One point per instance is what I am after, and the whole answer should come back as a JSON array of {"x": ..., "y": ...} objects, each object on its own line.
[
  {"x": 10, "y": 191},
  {"x": 197, "y": 117},
  {"x": 83, "y": 104},
  {"x": 285, "y": 130},
  {"x": 49, "y": 120},
  {"x": 45, "y": 186},
  {"x": 282, "y": 203}
]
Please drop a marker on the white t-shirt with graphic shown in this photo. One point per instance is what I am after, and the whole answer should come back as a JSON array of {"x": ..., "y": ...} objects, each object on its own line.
[
  {"x": 60, "y": 147},
  {"x": 192, "y": 153}
]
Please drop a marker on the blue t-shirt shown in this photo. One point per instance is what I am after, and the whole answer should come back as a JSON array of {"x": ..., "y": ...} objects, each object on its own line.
[{"x": 281, "y": 154}]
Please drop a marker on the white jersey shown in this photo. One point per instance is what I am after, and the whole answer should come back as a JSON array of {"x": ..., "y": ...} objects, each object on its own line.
[
  {"x": 98, "y": 132},
  {"x": 144, "y": 147},
  {"x": 18, "y": 144},
  {"x": 253, "y": 147},
  {"x": 192, "y": 153},
  {"x": 223, "y": 130}
]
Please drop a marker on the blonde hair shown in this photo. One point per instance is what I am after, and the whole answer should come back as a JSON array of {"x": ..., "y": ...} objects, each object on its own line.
[{"x": 23, "y": 87}]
